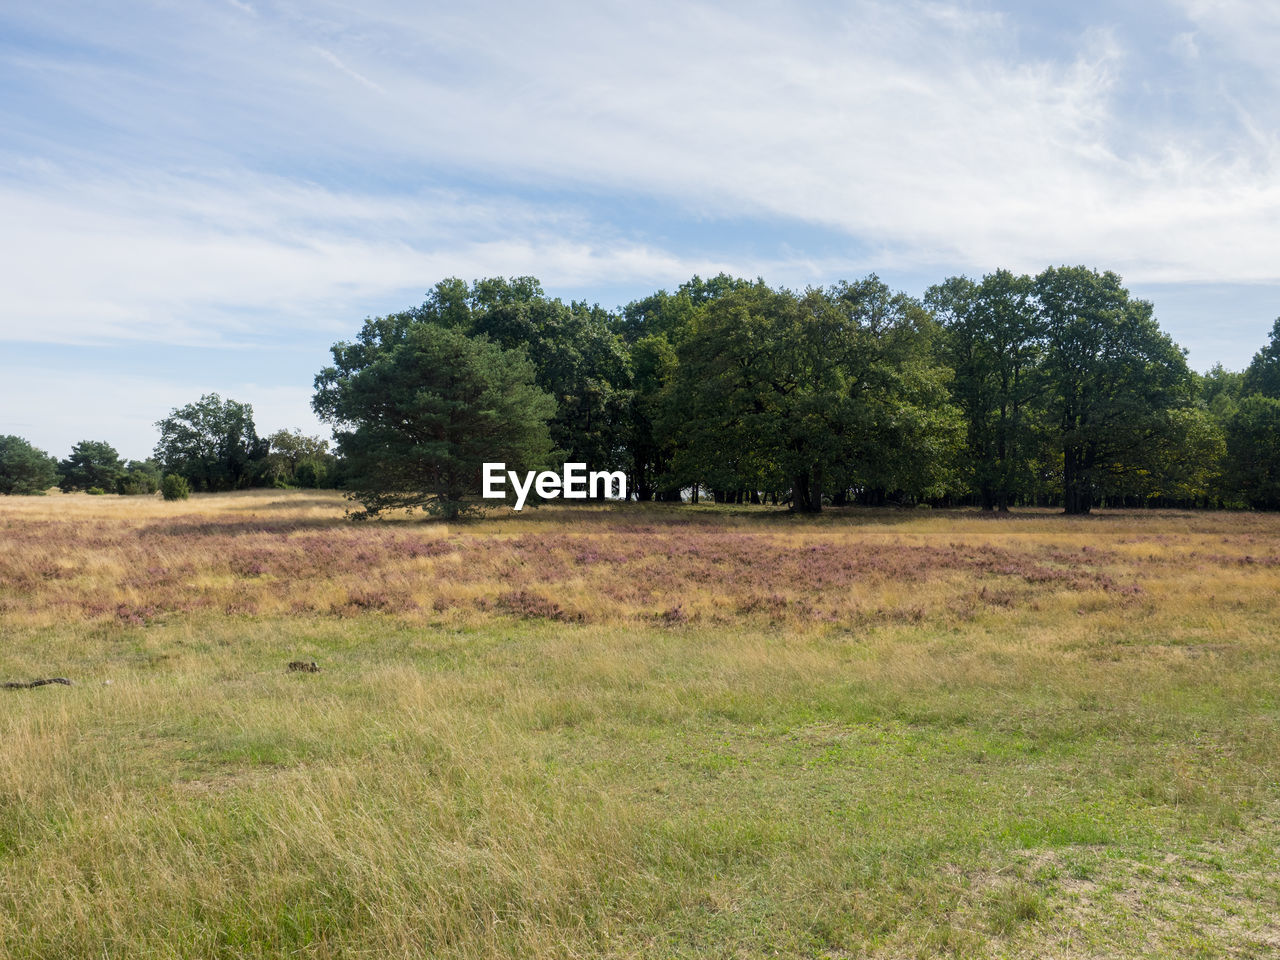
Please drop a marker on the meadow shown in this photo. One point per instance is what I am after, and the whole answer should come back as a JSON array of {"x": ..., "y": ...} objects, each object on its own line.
[{"x": 636, "y": 731}]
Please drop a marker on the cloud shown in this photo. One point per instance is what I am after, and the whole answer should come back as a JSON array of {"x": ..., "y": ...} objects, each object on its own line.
[
  {"x": 221, "y": 175},
  {"x": 359, "y": 77}
]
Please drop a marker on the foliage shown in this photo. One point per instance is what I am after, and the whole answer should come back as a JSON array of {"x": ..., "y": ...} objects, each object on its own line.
[
  {"x": 212, "y": 443},
  {"x": 1111, "y": 379},
  {"x": 819, "y": 394},
  {"x": 25, "y": 469},
  {"x": 292, "y": 451},
  {"x": 175, "y": 487},
  {"x": 139, "y": 477},
  {"x": 1253, "y": 451},
  {"x": 310, "y": 473},
  {"x": 419, "y": 407},
  {"x": 994, "y": 343},
  {"x": 577, "y": 357},
  {"x": 92, "y": 463},
  {"x": 1263, "y": 374}
]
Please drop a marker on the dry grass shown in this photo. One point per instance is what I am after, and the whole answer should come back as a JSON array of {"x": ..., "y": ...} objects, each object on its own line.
[
  {"x": 636, "y": 732},
  {"x": 141, "y": 560}
]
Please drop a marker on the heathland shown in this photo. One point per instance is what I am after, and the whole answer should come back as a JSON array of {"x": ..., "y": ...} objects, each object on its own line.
[{"x": 636, "y": 730}]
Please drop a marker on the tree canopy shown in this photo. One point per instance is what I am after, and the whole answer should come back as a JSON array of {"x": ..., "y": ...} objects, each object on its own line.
[
  {"x": 1005, "y": 390},
  {"x": 25, "y": 469},
  {"x": 212, "y": 443},
  {"x": 418, "y": 407}
]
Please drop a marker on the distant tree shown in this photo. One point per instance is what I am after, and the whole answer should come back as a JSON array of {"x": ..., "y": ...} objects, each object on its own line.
[
  {"x": 212, "y": 443},
  {"x": 994, "y": 343},
  {"x": 1263, "y": 374},
  {"x": 25, "y": 469},
  {"x": 290, "y": 449},
  {"x": 139, "y": 477},
  {"x": 418, "y": 408},
  {"x": 92, "y": 463},
  {"x": 1253, "y": 452},
  {"x": 310, "y": 474},
  {"x": 577, "y": 358},
  {"x": 1111, "y": 378},
  {"x": 815, "y": 394}
]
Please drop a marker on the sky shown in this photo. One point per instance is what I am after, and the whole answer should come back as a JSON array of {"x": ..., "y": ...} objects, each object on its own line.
[{"x": 204, "y": 195}]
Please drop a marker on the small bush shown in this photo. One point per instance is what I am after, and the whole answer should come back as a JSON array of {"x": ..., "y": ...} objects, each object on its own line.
[
  {"x": 174, "y": 487},
  {"x": 95, "y": 491}
]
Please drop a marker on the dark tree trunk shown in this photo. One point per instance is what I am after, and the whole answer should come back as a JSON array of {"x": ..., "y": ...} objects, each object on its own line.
[{"x": 1076, "y": 496}]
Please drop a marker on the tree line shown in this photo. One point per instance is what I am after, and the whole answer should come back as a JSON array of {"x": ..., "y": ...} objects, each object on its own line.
[
  {"x": 1053, "y": 390},
  {"x": 210, "y": 445}
]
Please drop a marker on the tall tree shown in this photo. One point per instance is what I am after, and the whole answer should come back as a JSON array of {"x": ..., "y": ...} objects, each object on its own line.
[
  {"x": 25, "y": 469},
  {"x": 212, "y": 443},
  {"x": 1111, "y": 377},
  {"x": 577, "y": 356},
  {"x": 1252, "y": 464},
  {"x": 418, "y": 408},
  {"x": 1263, "y": 374},
  {"x": 817, "y": 394},
  {"x": 92, "y": 464},
  {"x": 994, "y": 342}
]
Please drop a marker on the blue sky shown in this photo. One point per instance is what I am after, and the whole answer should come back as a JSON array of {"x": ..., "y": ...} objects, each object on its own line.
[{"x": 204, "y": 195}]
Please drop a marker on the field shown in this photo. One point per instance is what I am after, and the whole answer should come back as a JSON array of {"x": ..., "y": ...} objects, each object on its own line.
[{"x": 636, "y": 731}]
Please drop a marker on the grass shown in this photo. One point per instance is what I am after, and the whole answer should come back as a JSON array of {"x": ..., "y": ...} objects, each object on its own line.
[{"x": 636, "y": 732}]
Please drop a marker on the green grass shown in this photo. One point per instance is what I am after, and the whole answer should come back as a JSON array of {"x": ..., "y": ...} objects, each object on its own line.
[
  {"x": 538, "y": 790},
  {"x": 1032, "y": 737}
]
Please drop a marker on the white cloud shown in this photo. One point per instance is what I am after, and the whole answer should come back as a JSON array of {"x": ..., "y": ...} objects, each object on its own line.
[{"x": 921, "y": 131}]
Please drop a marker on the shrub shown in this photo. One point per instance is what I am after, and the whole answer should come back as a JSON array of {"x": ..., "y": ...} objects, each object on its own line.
[
  {"x": 95, "y": 491},
  {"x": 174, "y": 487},
  {"x": 140, "y": 477}
]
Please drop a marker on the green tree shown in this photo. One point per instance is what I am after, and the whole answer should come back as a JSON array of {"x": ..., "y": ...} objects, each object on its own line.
[
  {"x": 213, "y": 444},
  {"x": 816, "y": 394},
  {"x": 652, "y": 327},
  {"x": 1263, "y": 374},
  {"x": 418, "y": 408},
  {"x": 1252, "y": 464},
  {"x": 92, "y": 463},
  {"x": 25, "y": 469},
  {"x": 994, "y": 342},
  {"x": 1111, "y": 376},
  {"x": 139, "y": 477},
  {"x": 292, "y": 448},
  {"x": 577, "y": 356}
]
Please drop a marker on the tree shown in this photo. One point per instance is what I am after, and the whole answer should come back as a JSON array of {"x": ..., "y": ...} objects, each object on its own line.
[
  {"x": 92, "y": 464},
  {"x": 577, "y": 356},
  {"x": 139, "y": 477},
  {"x": 1111, "y": 378},
  {"x": 1253, "y": 452},
  {"x": 418, "y": 408},
  {"x": 819, "y": 394},
  {"x": 994, "y": 344},
  {"x": 1263, "y": 374},
  {"x": 292, "y": 449},
  {"x": 25, "y": 469},
  {"x": 212, "y": 443}
]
